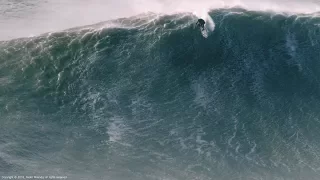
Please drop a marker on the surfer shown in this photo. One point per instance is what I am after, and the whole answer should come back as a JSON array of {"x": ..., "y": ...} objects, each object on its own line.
[{"x": 200, "y": 23}]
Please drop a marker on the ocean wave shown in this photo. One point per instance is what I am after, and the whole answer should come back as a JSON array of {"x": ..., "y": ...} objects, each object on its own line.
[{"x": 147, "y": 97}]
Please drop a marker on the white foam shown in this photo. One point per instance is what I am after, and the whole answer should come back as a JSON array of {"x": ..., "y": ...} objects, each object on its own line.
[
  {"x": 201, "y": 95},
  {"x": 5, "y": 81},
  {"x": 116, "y": 129},
  {"x": 291, "y": 44},
  {"x": 53, "y": 15},
  {"x": 235, "y": 130}
]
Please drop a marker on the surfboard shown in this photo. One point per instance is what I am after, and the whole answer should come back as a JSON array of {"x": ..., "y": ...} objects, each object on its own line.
[{"x": 204, "y": 32}]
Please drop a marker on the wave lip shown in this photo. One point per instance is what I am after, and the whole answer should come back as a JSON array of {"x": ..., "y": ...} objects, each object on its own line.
[{"x": 42, "y": 17}]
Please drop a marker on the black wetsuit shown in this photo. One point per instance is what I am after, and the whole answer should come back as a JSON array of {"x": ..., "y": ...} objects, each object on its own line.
[{"x": 201, "y": 23}]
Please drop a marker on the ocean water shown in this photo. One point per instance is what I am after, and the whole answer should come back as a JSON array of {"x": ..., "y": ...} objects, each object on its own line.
[{"x": 146, "y": 97}]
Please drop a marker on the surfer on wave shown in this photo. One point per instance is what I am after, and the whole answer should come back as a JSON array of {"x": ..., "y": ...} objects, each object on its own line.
[{"x": 200, "y": 23}]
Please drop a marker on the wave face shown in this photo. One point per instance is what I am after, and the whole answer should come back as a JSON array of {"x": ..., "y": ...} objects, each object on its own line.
[{"x": 149, "y": 98}]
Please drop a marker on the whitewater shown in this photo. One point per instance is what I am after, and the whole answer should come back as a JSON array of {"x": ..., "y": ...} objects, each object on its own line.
[{"x": 132, "y": 90}]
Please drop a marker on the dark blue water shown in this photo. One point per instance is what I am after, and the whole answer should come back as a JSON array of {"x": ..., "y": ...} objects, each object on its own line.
[{"x": 149, "y": 98}]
